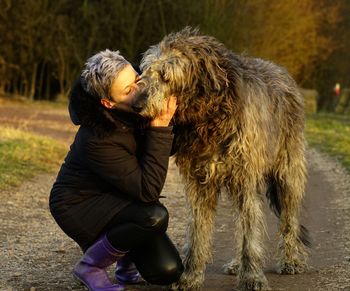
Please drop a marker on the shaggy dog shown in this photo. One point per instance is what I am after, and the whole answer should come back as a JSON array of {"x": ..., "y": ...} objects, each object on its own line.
[{"x": 238, "y": 128}]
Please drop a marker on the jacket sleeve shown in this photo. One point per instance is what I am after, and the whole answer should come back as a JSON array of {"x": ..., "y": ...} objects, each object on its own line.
[{"x": 139, "y": 178}]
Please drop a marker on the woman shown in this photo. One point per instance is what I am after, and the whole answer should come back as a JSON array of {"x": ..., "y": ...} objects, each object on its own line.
[{"x": 106, "y": 195}]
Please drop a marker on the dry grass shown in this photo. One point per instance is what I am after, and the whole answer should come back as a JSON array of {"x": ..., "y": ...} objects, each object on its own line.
[
  {"x": 61, "y": 103},
  {"x": 23, "y": 155}
]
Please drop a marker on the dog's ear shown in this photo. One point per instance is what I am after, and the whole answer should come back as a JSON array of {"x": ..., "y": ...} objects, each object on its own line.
[
  {"x": 169, "y": 65},
  {"x": 173, "y": 71},
  {"x": 164, "y": 75},
  {"x": 205, "y": 56},
  {"x": 209, "y": 68},
  {"x": 215, "y": 74}
]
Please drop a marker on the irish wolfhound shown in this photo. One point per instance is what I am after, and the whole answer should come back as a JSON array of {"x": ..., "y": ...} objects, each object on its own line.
[{"x": 239, "y": 128}]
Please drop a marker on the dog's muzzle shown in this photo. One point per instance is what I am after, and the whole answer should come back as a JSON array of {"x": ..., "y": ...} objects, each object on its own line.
[{"x": 140, "y": 101}]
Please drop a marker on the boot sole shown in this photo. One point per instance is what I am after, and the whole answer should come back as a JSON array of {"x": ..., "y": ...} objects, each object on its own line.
[
  {"x": 141, "y": 283},
  {"x": 81, "y": 282}
]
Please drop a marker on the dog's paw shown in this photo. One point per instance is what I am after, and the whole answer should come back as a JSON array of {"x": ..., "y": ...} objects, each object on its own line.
[
  {"x": 188, "y": 282},
  {"x": 253, "y": 282},
  {"x": 231, "y": 268},
  {"x": 291, "y": 268},
  {"x": 182, "y": 286}
]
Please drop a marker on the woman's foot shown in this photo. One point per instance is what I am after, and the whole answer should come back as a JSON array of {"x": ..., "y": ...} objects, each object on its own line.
[
  {"x": 127, "y": 273},
  {"x": 90, "y": 269}
]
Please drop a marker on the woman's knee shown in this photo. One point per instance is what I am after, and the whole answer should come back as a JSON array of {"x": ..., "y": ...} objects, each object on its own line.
[
  {"x": 148, "y": 216},
  {"x": 157, "y": 218},
  {"x": 158, "y": 261},
  {"x": 166, "y": 274}
]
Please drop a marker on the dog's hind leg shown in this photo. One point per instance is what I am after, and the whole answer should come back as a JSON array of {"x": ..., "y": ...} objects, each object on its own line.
[
  {"x": 203, "y": 201},
  {"x": 290, "y": 179},
  {"x": 232, "y": 267}
]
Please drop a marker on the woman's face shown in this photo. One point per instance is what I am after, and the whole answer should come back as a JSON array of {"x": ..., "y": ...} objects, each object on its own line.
[{"x": 123, "y": 88}]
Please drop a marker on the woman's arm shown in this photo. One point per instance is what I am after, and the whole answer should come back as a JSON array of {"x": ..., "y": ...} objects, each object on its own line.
[{"x": 142, "y": 179}]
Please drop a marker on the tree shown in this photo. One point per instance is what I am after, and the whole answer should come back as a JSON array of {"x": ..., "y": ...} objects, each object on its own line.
[
  {"x": 289, "y": 33},
  {"x": 44, "y": 43},
  {"x": 335, "y": 68}
]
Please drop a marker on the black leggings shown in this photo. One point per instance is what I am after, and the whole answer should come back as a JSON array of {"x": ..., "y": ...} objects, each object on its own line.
[{"x": 140, "y": 228}]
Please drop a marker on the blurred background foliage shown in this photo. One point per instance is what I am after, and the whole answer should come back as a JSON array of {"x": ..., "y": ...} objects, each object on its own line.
[{"x": 44, "y": 43}]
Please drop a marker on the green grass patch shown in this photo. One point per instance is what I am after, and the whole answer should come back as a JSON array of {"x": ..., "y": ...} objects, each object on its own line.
[
  {"x": 23, "y": 155},
  {"x": 330, "y": 133}
]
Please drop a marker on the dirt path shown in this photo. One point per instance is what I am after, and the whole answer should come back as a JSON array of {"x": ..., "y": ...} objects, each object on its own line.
[{"x": 36, "y": 255}]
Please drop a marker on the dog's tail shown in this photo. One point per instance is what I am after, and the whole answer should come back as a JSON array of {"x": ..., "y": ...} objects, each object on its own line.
[{"x": 273, "y": 194}]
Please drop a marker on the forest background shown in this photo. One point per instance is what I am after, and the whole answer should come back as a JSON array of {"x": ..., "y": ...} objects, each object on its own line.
[{"x": 44, "y": 44}]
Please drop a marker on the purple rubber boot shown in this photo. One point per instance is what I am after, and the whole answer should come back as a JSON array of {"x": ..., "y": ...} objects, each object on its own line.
[
  {"x": 90, "y": 269},
  {"x": 126, "y": 272}
]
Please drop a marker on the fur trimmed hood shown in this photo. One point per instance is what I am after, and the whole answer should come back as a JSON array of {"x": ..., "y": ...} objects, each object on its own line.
[{"x": 86, "y": 110}]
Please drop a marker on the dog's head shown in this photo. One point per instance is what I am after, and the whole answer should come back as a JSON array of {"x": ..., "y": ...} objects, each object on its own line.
[{"x": 186, "y": 65}]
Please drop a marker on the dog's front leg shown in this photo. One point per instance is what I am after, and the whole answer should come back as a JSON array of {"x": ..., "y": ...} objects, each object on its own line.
[
  {"x": 203, "y": 200},
  {"x": 249, "y": 230},
  {"x": 250, "y": 272}
]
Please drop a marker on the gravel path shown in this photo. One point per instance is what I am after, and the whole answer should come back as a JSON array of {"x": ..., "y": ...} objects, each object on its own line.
[{"x": 36, "y": 255}]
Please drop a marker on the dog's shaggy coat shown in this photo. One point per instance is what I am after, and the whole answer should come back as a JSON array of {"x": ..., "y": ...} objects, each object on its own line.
[{"x": 239, "y": 128}]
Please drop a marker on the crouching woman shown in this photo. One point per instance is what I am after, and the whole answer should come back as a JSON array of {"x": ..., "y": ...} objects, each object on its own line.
[{"x": 106, "y": 195}]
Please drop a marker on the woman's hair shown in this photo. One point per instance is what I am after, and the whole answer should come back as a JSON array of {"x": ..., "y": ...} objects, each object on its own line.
[{"x": 100, "y": 71}]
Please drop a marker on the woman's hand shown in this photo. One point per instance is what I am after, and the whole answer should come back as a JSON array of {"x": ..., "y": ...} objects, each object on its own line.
[{"x": 167, "y": 113}]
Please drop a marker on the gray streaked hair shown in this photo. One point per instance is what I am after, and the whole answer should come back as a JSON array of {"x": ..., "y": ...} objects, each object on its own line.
[{"x": 100, "y": 71}]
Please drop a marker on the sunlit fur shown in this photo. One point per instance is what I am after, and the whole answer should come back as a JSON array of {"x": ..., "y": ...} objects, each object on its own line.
[{"x": 239, "y": 129}]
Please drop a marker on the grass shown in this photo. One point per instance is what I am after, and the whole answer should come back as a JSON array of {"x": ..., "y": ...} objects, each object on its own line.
[
  {"x": 23, "y": 155},
  {"x": 60, "y": 103},
  {"x": 331, "y": 134}
]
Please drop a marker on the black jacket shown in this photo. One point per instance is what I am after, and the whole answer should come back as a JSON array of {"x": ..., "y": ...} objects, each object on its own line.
[{"x": 116, "y": 158}]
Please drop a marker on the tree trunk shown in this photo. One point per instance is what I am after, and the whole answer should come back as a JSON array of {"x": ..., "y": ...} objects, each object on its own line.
[
  {"x": 48, "y": 84},
  {"x": 41, "y": 81},
  {"x": 33, "y": 81},
  {"x": 61, "y": 68}
]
